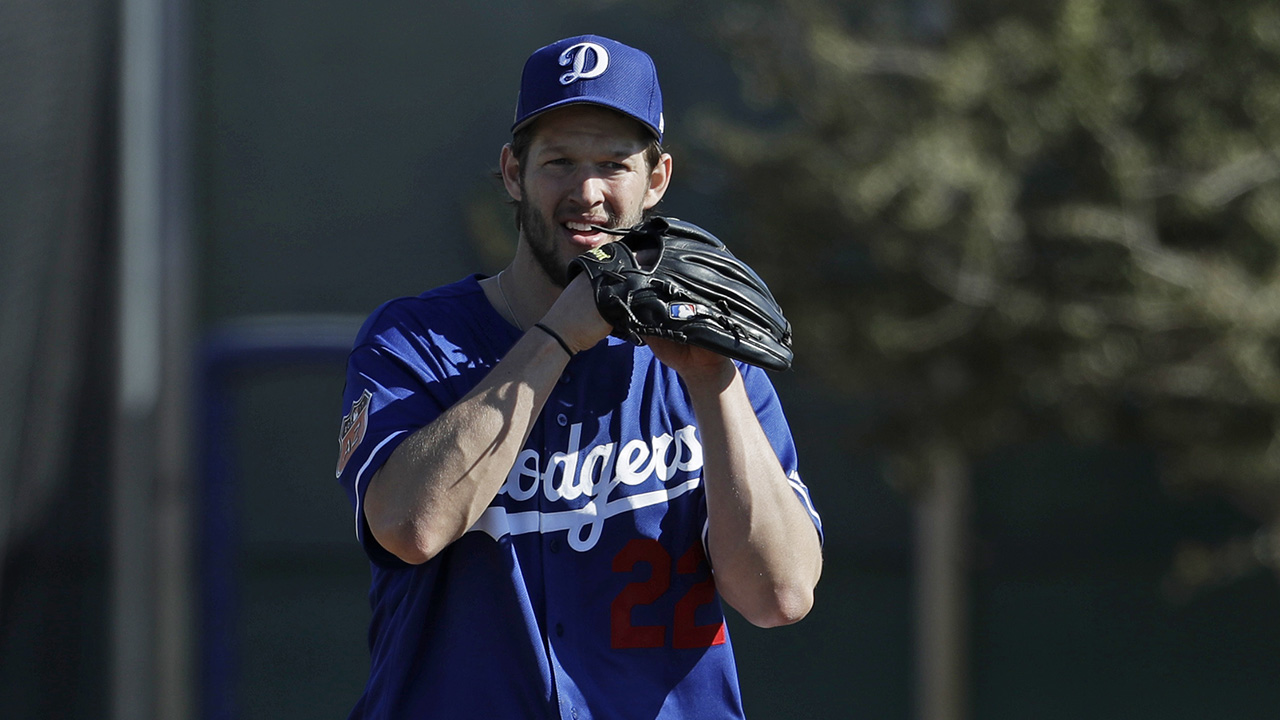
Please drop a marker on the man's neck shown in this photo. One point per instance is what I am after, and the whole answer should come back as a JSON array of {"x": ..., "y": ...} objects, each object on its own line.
[{"x": 525, "y": 288}]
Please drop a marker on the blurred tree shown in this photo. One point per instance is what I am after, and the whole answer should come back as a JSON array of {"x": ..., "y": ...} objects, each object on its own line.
[
  {"x": 1004, "y": 218},
  {"x": 998, "y": 219}
]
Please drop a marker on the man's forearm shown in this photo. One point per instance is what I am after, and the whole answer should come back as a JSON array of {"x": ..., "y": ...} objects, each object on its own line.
[
  {"x": 436, "y": 484},
  {"x": 762, "y": 542}
]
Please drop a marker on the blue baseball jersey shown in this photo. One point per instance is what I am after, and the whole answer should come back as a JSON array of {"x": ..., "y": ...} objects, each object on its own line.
[{"x": 584, "y": 589}]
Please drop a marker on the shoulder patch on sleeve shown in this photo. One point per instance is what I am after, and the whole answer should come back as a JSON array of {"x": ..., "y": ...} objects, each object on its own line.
[{"x": 354, "y": 424}]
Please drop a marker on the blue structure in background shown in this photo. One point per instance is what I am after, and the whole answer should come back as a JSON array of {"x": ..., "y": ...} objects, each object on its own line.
[{"x": 230, "y": 352}]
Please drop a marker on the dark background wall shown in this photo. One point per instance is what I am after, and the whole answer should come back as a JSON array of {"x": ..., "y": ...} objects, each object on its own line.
[{"x": 341, "y": 158}]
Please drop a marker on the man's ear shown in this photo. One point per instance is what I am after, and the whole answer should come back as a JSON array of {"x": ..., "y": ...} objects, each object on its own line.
[
  {"x": 659, "y": 179},
  {"x": 510, "y": 165}
]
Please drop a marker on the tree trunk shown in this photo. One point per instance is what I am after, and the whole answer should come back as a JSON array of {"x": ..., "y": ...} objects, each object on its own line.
[{"x": 942, "y": 587}]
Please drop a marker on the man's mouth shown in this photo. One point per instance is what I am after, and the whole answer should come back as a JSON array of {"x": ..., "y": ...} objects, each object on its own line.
[{"x": 587, "y": 233}]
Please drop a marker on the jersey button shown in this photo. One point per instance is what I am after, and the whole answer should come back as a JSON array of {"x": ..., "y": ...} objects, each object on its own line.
[
  {"x": 559, "y": 629},
  {"x": 555, "y": 545},
  {"x": 564, "y": 379},
  {"x": 562, "y": 419}
]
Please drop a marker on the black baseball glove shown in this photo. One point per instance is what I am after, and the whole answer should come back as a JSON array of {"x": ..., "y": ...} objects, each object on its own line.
[{"x": 672, "y": 279}]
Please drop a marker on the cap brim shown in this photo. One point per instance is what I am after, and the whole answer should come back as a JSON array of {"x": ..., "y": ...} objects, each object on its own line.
[{"x": 584, "y": 101}]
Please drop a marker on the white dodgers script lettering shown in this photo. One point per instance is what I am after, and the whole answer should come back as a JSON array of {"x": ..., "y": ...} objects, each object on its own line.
[{"x": 595, "y": 474}]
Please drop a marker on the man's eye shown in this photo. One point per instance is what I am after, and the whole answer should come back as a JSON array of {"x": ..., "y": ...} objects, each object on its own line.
[{"x": 561, "y": 162}]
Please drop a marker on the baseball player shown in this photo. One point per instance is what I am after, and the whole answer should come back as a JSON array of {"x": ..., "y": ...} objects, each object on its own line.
[{"x": 554, "y": 515}]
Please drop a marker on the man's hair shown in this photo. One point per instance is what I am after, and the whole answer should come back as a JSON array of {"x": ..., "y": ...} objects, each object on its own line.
[{"x": 522, "y": 140}]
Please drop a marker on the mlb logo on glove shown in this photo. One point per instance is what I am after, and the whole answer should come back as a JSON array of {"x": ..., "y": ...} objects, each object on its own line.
[{"x": 682, "y": 311}]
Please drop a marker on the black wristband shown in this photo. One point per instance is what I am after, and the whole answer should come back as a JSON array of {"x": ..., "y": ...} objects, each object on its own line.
[{"x": 555, "y": 335}]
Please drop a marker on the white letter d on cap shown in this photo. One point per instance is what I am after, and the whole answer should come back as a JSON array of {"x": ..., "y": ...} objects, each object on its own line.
[{"x": 577, "y": 56}]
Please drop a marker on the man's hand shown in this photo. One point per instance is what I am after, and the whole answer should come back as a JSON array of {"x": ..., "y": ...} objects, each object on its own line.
[
  {"x": 575, "y": 317},
  {"x": 695, "y": 365}
]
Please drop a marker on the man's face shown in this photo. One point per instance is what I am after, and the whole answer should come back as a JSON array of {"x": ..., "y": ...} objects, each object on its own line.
[{"x": 585, "y": 167}]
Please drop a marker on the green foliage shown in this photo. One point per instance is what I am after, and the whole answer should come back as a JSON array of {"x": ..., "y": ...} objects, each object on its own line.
[{"x": 1045, "y": 216}]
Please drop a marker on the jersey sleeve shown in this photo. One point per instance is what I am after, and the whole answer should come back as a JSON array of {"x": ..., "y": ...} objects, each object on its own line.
[
  {"x": 764, "y": 398},
  {"x": 398, "y": 381}
]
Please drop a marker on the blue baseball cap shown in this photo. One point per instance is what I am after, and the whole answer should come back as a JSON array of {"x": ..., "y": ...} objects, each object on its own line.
[{"x": 594, "y": 70}]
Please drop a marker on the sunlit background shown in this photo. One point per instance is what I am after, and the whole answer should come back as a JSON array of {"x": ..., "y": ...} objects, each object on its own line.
[{"x": 1030, "y": 251}]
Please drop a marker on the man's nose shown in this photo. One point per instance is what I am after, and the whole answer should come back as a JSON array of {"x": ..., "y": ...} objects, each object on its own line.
[{"x": 588, "y": 189}]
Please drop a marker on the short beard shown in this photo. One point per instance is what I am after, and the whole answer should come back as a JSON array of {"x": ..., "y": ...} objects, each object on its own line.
[{"x": 539, "y": 232}]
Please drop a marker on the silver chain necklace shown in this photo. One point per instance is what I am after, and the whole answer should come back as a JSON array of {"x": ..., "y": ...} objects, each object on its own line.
[{"x": 515, "y": 321}]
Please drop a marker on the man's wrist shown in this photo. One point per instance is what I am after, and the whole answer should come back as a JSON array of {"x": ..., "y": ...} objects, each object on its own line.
[
  {"x": 713, "y": 376},
  {"x": 556, "y": 336}
]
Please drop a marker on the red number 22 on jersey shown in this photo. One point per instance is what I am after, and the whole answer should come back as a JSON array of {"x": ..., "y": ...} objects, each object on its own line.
[{"x": 686, "y": 633}]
